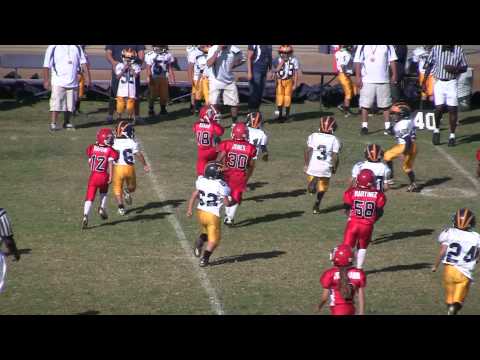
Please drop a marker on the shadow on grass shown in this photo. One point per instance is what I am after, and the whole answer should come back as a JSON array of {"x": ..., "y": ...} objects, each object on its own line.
[
  {"x": 308, "y": 115},
  {"x": 155, "y": 205},
  {"x": 89, "y": 312},
  {"x": 402, "y": 235},
  {"x": 395, "y": 268},
  {"x": 256, "y": 185},
  {"x": 332, "y": 209},
  {"x": 470, "y": 120},
  {"x": 246, "y": 257},
  {"x": 278, "y": 195},
  {"x": 21, "y": 251},
  {"x": 156, "y": 216},
  {"x": 466, "y": 139},
  {"x": 434, "y": 182},
  {"x": 269, "y": 218}
]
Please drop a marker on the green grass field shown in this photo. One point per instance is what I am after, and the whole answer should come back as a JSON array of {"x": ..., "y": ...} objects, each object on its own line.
[{"x": 269, "y": 263}]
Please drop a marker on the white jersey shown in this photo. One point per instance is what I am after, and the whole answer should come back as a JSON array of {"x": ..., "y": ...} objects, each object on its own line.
[
  {"x": 159, "y": 63},
  {"x": 288, "y": 69},
  {"x": 463, "y": 249},
  {"x": 420, "y": 56},
  {"x": 323, "y": 145},
  {"x": 126, "y": 84},
  {"x": 126, "y": 148},
  {"x": 344, "y": 59},
  {"x": 404, "y": 130},
  {"x": 211, "y": 194},
  {"x": 257, "y": 138},
  {"x": 381, "y": 171},
  {"x": 200, "y": 68}
]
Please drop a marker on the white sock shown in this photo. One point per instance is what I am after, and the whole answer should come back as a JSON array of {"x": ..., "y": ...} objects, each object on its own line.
[
  {"x": 364, "y": 124},
  {"x": 436, "y": 131},
  {"x": 87, "y": 207},
  {"x": 231, "y": 210},
  {"x": 387, "y": 125},
  {"x": 452, "y": 136},
  {"x": 361, "y": 253},
  {"x": 103, "y": 200}
]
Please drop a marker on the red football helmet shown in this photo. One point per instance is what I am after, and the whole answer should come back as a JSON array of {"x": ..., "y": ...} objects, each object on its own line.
[
  {"x": 105, "y": 137},
  {"x": 366, "y": 178},
  {"x": 342, "y": 255},
  {"x": 240, "y": 132},
  {"x": 205, "y": 114}
]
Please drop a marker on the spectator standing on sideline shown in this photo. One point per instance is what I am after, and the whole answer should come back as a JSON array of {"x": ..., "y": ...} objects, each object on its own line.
[
  {"x": 397, "y": 88},
  {"x": 259, "y": 62},
  {"x": 61, "y": 67},
  {"x": 221, "y": 60},
  {"x": 113, "y": 53},
  {"x": 371, "y": 68},
  {"x": 446, "y": 63},
  {"x": 6, "y": 234}
]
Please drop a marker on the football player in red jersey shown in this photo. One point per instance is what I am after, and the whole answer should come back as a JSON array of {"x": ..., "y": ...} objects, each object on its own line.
[
  {"x": 207, "y": 131},
  {"x": 478, "y": 159},
  {"x": 100, "y": 157},
  {"x": 341, "y": 282},
  {"x": 237, "y": 156},
  {"x": 364, "y": 204}
]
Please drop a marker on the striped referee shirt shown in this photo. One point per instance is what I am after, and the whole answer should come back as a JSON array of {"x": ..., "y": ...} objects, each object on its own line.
[
  {"x": 5, "y": 224},
  {"x": 438, "y": 59}
]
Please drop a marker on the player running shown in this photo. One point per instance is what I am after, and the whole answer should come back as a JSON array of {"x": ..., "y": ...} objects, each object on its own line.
[
  {"x": 404, "y": 132},
  {"x": 124, "y": 168},
  {"x": 257, "y": 136},
  {"x": 459, "y": 252},
  {"x": 237, "y": 155},
  {"x": 365, "y": 204},
  {"x": 207, "y": 133},
  {"x": 211, "y": 192},
  {"x": 341, "y": 282},
  {"x": 373, "y": 161},
  {"x": 321, "y": 159},
  {"x": 100, "y": 157}
]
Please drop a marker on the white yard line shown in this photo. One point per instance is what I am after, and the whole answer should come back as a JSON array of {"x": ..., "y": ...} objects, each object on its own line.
[{"x": 215, "y": 303}]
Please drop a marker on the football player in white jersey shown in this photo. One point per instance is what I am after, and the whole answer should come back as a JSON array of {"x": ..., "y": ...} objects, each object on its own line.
[
  {"x": 257, "y": 136},
  {"x": 420, "y": 56},
  {"x": 404, "y": 133},
  {"x": 200, "y": 77},
  {"x": 127, "y": 72},
  {"x": 374, "y": 157},
  {"x": 212, "y": 193},
  {"x": 159, "y": 74},
  {"x": 459, "y": 251},
  {"x": 124, "y": 167},
  {"x": 192, "y": 52},
  {"x": 321, "y": 159}
]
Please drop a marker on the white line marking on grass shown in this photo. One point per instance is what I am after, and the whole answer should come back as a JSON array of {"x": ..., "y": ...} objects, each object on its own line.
[
  {"x": 201, "y": 274},
  {"x": 460, "y": 168}
]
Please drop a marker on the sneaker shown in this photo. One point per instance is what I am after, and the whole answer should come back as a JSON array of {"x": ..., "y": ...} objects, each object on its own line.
[
  {"x": 84, "y": 222},
  {"x": 316, "y": 209},
  {"x": 436, "y": 138},
  {"x": 412, "y": 188},
  {"x": 121, "y": 211},
  {"x": 53, "y": 127},
  {"x": 390, "y": 182},
  {"x": 228, "y": 221},
  {"x": 109, "y": 119},
  {"x": 341, "y": 108},
  {"x": 103, "y": 213},
  {"x": 203, "y": 262},
  {"x": 128, "y": 197},
  {"x": 364, "y": 131},
  {"x": 163, "y": 112},
  {"x": 451, "y": 142},
  {"x": 68, "y": 126}
]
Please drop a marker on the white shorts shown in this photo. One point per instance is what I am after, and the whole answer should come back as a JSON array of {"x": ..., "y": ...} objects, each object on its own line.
[
  {"x": 370, "y": 92},
  {"x": 446, "y": 92},
  {"x": 63, "y": 99},
  {"x": 230, "y": 92}
]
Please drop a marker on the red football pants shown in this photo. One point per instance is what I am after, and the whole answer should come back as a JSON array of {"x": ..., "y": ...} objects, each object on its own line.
[
  {"x": 237, "y": 182},
  {"x": 357, "y": 234},
  {"x": 343, "y": 309},
  {"x": 205, "y": 156},
  {"x": 96, "y": 181}
]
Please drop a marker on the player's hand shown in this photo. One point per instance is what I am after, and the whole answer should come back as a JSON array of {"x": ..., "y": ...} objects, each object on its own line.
[
  {"x": 189, "y": 213},
  {"x": 249, "y": 76},
  {"x": 434, "y": 268},
  {"x": 318, "y": 308},
  {"x": 451, "y": 69},
  {"x": 146, "y": 168},
  {"x": 109, "y": 180}
]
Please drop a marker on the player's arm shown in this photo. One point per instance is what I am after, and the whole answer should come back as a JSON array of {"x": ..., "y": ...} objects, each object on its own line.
[
  {"x": 110, "y": 170},
  {"x": 171, "y": 72},
  {"x": 347, "y": 202},
  {"x": 191, "y": 203},
  {"x": 441, "y": 254},
  {"x": 307, "y": 156},
  {"x": 220, "y": 157},
  {"x": 251, "y": 166},
  {"x": 140, "y": 157},
  {"x": 323, "y": 299},
  {"x": 335, "y": 161},
  {"x": 249, "y": 64},
  {"x": 86, "y": 70},
  {"x": 295, "y": 78},
  {"x": 211, "y": 61},
  {"x": 361, "y": 301}
]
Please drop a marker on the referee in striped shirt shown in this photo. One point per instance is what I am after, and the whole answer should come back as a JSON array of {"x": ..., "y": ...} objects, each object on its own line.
[
  {"x": 6, "y": 234},
  {"x": 446, "y": 63}
]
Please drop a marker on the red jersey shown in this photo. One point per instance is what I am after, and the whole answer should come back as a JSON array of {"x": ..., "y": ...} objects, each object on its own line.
[
  {"x": 364, "y": 204},
  {"x": 99, "y": 156},
  {"x": 205, "y": 133},
  {"x": 330, "y": 280},
  {"x": 478, "y": 154},
  {"x": 238, "y": 154}
]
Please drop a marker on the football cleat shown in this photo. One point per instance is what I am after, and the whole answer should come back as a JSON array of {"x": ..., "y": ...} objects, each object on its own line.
[
  {"x": 204, "y": 262},
  {"x": 84, "y": 222},
  {"x": 68, "y": 126},
  {"x": 451, "y": 142},
  {"x": 197, "y": 251},
  {"x": 436, "y": 138},
  {"x": 121, "y": 211},
  {"x": 316, "y": 209},
  {"x": 53, "y": 127},
  {"x": 103, "y": 213},
  {"x": 228, "y": 221},
  {"x": 364, "y": 131},
  {"x": 412, "y": 188},
  {"x": 128, "y": 197}
]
